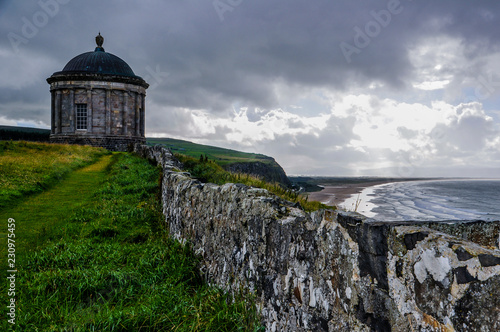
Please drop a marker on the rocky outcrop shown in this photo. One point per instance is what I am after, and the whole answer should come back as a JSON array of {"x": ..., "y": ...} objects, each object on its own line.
[
  {"x": 270, "y": 172},
  {"x": 328, "y": 270}
]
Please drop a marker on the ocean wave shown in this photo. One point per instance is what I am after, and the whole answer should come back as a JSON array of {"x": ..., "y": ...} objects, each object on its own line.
[{"x": 429, "y": 200}]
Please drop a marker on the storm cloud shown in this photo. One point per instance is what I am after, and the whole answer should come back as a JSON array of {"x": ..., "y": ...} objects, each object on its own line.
[{"x": 325, "y": 87}]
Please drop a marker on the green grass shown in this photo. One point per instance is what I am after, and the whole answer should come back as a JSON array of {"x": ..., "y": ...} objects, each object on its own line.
[
  {"x": 27, "y": 168},
  {"x": 38, "y": 216},
  {"x": 214, "y": 173},
  {"x": 95, "y": 256},
  {"x": 220, "y": 155}
]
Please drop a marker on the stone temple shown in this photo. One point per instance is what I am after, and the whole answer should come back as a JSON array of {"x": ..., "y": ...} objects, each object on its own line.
[{"x": 98, "y": 100}]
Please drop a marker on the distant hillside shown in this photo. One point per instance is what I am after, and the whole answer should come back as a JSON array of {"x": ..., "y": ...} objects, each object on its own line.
[
  {"x": 232, "y": 160},
  {"x": 8, "y": 133},
  {"x": 221, "y": 155}
]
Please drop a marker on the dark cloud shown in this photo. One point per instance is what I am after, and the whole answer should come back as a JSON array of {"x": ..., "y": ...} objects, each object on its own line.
[
  {"x": 259, "y": 54},
  {"x": 257, "y": 43}
]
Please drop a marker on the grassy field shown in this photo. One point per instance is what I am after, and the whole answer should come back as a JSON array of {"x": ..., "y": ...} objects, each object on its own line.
[
  {"x": 39, "y": 215},
  {"x": 220, "y": 155},
  {"x": 27, "y": 168},
  {"x": 93, "y": 254}
]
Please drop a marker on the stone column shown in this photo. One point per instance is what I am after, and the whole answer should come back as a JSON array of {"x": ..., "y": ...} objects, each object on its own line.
[
  {"x": 143, "y": 115},
  {"x": 137, "y": 115},
  {"x": 72, "y": 111},
  {"x": 52, "y": 112},
  {"x": 58, "y": 112},
  {"x": 89, "y": 111},
  {"x": 124, "y": 112},
  {"x": 108, "y": 112}
]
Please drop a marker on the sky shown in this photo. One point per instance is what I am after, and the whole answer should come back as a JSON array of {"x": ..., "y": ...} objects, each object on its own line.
[{"x": 327, "y": 87}]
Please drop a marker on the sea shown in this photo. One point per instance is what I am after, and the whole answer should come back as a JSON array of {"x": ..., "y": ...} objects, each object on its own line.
[{"x": 429, "y": 200}]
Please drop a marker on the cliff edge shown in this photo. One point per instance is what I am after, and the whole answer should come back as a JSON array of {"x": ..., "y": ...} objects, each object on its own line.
[
  {"x": 254, "y": 164},
  {"x": 270, "y": 172}
]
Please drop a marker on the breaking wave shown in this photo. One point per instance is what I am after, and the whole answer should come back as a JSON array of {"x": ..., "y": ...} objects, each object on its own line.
[{"x": 430, "y": 200}]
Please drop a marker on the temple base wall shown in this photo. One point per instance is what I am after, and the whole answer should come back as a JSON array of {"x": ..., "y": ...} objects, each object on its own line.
[{"x": 112, "y": 143}]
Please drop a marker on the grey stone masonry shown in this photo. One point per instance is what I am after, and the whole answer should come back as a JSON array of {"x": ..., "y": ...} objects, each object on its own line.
[
  {"x": 331, "y": 270},
  {"x": 115, "y": 113},
  {"x": 112, "y": 143}
]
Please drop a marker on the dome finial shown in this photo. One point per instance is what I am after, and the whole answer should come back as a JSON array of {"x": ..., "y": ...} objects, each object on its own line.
[{"x": 99, "y": 40}]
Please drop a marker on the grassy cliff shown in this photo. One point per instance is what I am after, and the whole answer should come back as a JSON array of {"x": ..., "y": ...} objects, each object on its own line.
[
  {"x": 220, "y": 155},
  {"x": 209, "y": 171},
  {"x": 254, "y": 164}
]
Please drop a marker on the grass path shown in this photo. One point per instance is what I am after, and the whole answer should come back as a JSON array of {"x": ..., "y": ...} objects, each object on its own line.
[
  {"x": 93, "y": 254},
  {"x": 36, "y": 214}
]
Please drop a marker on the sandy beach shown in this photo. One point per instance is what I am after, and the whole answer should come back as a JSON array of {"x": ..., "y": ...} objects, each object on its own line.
[{"x": 335, "y": 195}]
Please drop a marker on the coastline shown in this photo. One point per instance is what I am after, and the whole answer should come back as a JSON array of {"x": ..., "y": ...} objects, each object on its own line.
[
  {"x": 338, "y": 194},
  {"x": 430, "y": 202}
]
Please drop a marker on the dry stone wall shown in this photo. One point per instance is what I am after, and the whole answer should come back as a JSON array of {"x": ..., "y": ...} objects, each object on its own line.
[{"x": 328, "y": 270}]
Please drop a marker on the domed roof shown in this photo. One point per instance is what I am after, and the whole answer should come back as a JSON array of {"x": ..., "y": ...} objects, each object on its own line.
[{"x": 99, "y": 63}]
